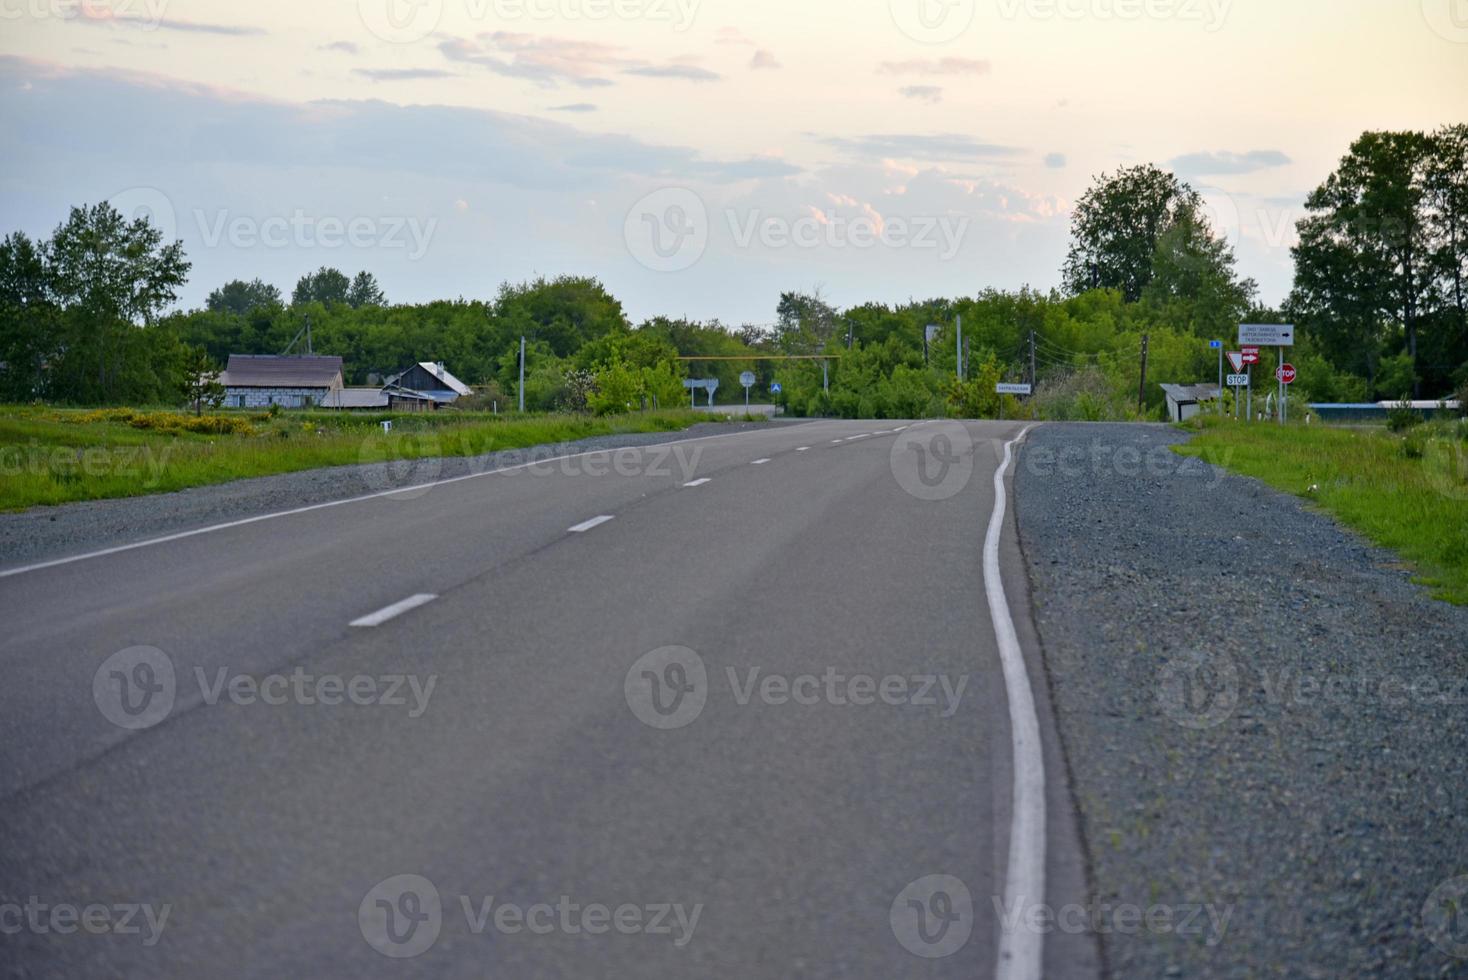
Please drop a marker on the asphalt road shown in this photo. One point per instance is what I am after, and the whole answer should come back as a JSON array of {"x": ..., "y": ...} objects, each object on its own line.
[{"x": 755, "y": 726}]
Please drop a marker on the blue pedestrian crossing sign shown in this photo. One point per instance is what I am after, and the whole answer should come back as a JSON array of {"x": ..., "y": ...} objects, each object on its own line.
[{"x": 775, "y": 388}]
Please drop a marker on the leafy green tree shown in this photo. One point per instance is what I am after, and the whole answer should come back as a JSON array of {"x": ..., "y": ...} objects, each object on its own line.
[
  {"x": 1365, "y": 259},
  {"x": 364, "y": 291},
  {"x": 199, "y": 380},
  {"x": 111, "y": 279},
  {"x": 243, "y": 298},
  {"x": 325, "y": 286},
  {"x": 565, "y": 312},
  {"x": 28, "y": 319},
  {"x": 1194, "y": 284},
  {"x": 1117, "y": 226},
  {"x": 618, "y": 389}
]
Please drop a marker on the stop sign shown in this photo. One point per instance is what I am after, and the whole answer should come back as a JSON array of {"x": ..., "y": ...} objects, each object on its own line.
[{"x": 1286, "y": 374}]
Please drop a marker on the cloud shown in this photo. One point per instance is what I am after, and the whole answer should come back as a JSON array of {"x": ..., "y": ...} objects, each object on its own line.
[
  {"x": 546, "y": 61},
  {"x": 763, "y": 59},
  {"x": 732, "y": 35},
  {"x": 1224, "y": 162},
  {"x": 1055, "y": 161},
  {"x": 689, "y": 73},
  {"x": 96, "y": 14},
  {"x": 401, "y": 74},
  {"x": 345, "y": 47},
  {"x": 922, "y": 93},
  {"x": 935, "y": 66},
  {"x": 573, "y": 107},
  {"x": 940, "y": 146}
]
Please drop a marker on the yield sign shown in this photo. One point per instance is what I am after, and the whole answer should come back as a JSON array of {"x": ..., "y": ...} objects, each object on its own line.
[{"x": 1236, "y": 359}]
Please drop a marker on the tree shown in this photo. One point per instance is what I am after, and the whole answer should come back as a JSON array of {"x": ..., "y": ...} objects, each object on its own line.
[
  {"x": 27, "y": 319},
  {"x": 565, "y": 312},
  {"x": 200, "y": 380},
  {"x": 804, "y": 322},
  {"x": 1447, "y": 218},
  {"x": 112, "y": 279},
  {"x": 243, "y": 298},
  {"x": 1194, "y": 283},
  {"x": 1117, "y": 226},
  {"x": 325, "y": 286},
  {"x": 364, "y": 291}
]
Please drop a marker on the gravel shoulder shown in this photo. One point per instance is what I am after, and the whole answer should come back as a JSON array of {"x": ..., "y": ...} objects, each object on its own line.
[
  {"x": 1264, "y": 719},
  {"x": 43, "y": 533}
]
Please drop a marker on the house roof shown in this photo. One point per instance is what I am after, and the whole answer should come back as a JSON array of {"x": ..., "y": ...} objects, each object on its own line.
[
  {"x": 441, "y": 374},
  {"x": 1191, "y": 393},
  {"x": 355, "y": 398},
  {"x": 272, "y": 371}
]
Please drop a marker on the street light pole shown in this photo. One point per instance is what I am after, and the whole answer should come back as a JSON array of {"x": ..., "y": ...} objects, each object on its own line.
[{"x": 522, "y": 374}]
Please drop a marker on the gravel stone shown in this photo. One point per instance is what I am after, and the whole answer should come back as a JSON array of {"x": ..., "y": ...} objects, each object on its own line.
[{"x": 1260, "y": 711}]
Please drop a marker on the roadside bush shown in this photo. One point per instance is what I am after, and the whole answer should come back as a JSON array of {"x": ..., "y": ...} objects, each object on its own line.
[
  {"x": 1401, "y": 417},
  {"x": 167, "y": 422}
]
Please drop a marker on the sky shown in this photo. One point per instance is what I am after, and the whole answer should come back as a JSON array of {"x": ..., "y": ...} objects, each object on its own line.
[{"x": 699, "y": 157}]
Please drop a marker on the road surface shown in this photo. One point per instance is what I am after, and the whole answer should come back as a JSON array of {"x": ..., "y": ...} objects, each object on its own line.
[{"x": 736, "y": 707}]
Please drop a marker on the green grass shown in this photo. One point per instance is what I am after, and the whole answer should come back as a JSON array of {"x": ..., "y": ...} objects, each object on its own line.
[
  {"x": 1407, "y": 492},
  {"x": 55, "y": 456}
]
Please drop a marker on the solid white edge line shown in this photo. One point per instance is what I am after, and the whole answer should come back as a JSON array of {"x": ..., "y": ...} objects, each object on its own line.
[
  {"x": 697, "y": 483},
  {"x": 803, "y": 449},
  {"x": 588, "y": 525},
  {"x": 211, "y": 528},
  {"x": 1020, "y": 946},
  {"x": 393, "y": 611},
  {"x": 759, "y": 462}
]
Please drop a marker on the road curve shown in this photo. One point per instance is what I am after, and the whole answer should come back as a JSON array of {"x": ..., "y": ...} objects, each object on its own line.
[{"x": 736, "y": 706}]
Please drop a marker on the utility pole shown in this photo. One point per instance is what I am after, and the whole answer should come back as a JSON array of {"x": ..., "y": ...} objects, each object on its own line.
[
  {"x": 958, "y": 349},
  {"x": 309, "y": 351},
  {"x": 1032, "y": 360},
  {"x": 1220, "y": 380},
  {"x": 522, "y": 374},
  {"x": 1142, "y": 386}
]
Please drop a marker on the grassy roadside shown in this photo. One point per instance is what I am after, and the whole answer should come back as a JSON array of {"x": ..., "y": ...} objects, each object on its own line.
[
  {"x": 54, "y": 456},
  {"x": 1407, "y": 492}
]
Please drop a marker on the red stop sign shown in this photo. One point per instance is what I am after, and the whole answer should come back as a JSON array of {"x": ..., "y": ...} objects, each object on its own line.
[{"x": 1286, "y": 374}]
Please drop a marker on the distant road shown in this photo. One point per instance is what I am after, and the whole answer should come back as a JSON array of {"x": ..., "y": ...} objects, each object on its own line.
[{"x": 734, "y": 707}]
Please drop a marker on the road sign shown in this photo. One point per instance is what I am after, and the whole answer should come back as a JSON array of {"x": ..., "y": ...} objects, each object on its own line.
[
  {"x": 1236, "y": 359},
  {"x": 1286, "y": 374},
  {"x": 711, "y": 385},
  {"x": 1215, "y": 344},
  {"x": 1004, "y": 389},
  {"x": 747, "y": 379},
  {"x": 1238, "y": 380},
  {"x": 1267, "y": 334},
  {"x": 1249, "y": 354},
  {"x": 775, "y": 388}
]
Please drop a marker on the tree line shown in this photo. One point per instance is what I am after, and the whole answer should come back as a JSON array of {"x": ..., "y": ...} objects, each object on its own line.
[{"x": 1379, "y": 300}]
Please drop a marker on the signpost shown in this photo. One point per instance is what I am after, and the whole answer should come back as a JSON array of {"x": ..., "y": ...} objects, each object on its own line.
[
  {"x": 709, "y": 385},
  {"x": 1286, "y": 374},
  {"x": 1218, "y": 346},
  {"x": 1279, "y": 335},
  {"x": 1238, "y": 380},
  {"x": 1004, "y": 389},
  {"x": 747, "y": 379}
]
